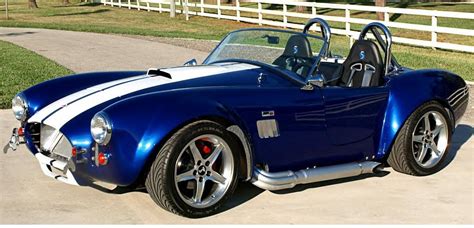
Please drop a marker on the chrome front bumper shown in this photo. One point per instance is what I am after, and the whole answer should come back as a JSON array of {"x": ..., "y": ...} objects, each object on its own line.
[
  {"x": 59, "y": 170},
  {"x": 59, "y": 165},
  {"x": 14, "y": 141}
]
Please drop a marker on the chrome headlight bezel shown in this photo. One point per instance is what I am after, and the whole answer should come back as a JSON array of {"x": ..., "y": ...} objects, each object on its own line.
[
  {"x": 20, "y": 107},
  {"x": 101, "y": 128}
]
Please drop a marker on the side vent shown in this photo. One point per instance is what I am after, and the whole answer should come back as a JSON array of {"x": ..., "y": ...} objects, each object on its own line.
[
  {"x": 268, "y": 129},
  {"x": 152, "y": 72}
]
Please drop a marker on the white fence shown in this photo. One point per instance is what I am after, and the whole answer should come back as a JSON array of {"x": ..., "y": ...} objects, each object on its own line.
[{"x": 200, "y": 9}]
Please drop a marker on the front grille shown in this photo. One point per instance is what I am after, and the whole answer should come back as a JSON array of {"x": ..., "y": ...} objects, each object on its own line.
[
  {"x": 50, "y": 142},
  {"x": 34, "y": 130}
]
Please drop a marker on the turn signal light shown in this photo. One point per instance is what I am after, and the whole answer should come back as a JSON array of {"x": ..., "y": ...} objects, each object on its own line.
[
  {"x": 74, "y": 151},
  {"x": 21, "y": 131},
  {"x": 102, "y": 158}
]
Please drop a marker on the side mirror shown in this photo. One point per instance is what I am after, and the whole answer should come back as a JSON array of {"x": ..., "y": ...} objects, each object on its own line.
[
  {"x": 314, "y": 81},
  {"x": 191, "y": 62}
]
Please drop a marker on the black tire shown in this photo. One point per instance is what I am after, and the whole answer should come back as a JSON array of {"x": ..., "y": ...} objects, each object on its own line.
[
  {"x": 402, "y": 158},
  {"x": 160, "y": 182}
]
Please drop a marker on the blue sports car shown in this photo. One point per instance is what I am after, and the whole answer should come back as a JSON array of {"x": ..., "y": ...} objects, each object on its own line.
[{"x": 273, "y": 107}]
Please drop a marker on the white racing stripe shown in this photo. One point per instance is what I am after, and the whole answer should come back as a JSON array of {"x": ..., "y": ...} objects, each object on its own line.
[
  {"x": 64, "y": 114},
  {"x": 46, "y": 111}
]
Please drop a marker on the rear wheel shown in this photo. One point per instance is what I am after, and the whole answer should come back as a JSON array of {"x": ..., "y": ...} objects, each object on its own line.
[
  {"x": 195, "y": 171},
  {"x": 422, "y": 143}
]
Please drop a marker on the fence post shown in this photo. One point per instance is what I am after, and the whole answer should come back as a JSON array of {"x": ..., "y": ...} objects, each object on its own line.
[
  {"x": 260, "y": 13},
  {"x": 138, "y": 4},
  {"x": 313, "y": 11},
  {"x": 186, "y": 9},
  {"x": 6, "y": 9},
  {"x": 148, "y": 6},
  {"x": 129, "y": 4},
  {"x": 160, "y": 8},
  {"x": 120, "y": 3},
  {"x": 386, "y": 17},
  {"x": 202, "y": 7},
  {"x": 172, "y": 8},
  {"x": 237, "y": 4},
  {"x": 434, "y": 34},
  {"x": 348, "y": 24},
  {"x": 285, "y": 18},
  {"x": 218, "y": 9}
]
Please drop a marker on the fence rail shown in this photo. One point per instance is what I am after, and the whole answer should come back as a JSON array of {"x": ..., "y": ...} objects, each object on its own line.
[{"x": 200, "y": 10}]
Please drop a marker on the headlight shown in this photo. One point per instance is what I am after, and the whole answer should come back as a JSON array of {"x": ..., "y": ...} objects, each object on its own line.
[
  {"x": 101, "y": 128},
  {"x": 19, "y": 107}
]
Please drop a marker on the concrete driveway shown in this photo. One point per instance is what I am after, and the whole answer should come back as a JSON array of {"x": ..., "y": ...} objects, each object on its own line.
[
  {"x": 27, "y": 196},
  {"x": 81, "y": 51}
]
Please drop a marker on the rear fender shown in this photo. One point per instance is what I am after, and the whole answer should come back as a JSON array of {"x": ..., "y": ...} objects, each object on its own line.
[{"x": 410, "y": 90}]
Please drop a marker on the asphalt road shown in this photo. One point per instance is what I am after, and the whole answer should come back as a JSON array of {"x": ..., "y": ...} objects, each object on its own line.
[{"x": 27, "y": 196}]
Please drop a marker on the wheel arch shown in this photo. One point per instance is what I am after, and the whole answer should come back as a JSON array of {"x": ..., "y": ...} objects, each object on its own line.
[{"x": 245, "y": 152}]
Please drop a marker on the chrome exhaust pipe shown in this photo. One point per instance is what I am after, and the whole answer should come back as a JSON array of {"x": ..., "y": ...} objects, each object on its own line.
[{"x": 289, "y": 179}]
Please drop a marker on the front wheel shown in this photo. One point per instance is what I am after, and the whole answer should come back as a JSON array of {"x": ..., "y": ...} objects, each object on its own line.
[
  {"x": 422, "y": 144},
  {"x": 195, "y": 171}
]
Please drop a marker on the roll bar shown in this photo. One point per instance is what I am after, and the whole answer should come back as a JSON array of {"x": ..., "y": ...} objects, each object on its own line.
[
  {"x": 386, "y": 45},
  {"x": 326, "y": 32}
]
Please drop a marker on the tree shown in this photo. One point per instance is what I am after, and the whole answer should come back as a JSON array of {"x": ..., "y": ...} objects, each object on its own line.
[
  {"x": 381, "y": 3},
  {"x": 32, "y": 4}
]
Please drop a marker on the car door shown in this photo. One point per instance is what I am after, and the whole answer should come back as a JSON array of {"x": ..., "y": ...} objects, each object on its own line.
[
  {"x": 286, "y": 124},
  {"x": 302, "y": 138},
  {"x": 354, "y": 117}
]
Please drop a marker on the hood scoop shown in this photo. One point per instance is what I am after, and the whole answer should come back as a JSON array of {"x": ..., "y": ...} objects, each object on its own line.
[{"x": 153, "y": 72}]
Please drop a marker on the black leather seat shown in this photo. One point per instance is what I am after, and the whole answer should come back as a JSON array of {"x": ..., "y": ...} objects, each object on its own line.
[
  {"x": 297, "y": 56},
  {"x": 363, "y": 66}
]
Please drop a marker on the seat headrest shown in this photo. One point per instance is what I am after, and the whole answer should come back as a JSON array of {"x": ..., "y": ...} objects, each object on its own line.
[
  {"x": 298, "y": 46},
  {"x": 365, "y": 51}
]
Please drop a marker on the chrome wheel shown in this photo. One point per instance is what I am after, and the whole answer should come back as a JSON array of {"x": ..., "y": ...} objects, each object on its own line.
[
  {"x": 204, "y": 171},
  {"x": 430, "y": 139}
]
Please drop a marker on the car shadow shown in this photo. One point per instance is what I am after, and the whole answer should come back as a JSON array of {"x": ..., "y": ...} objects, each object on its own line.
[{"x": 462, "y": 134}]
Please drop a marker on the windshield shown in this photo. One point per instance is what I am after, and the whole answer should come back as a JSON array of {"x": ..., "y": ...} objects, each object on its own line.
[{"x": 292, "y": 51}]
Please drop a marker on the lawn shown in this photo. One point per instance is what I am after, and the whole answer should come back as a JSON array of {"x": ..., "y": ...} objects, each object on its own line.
[
  {"x": 105, "y": 19},
  {"x": 21, "y": 68}
]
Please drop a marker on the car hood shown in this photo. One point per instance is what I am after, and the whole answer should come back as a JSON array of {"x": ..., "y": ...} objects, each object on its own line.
[{"x": 61, "y": 111}]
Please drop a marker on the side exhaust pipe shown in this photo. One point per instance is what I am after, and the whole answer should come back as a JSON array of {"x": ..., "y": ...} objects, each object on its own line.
[{"x": 289, "y": 179}]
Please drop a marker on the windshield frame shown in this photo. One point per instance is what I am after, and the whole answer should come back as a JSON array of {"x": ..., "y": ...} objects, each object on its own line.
[{"x": 320, "y": 52}]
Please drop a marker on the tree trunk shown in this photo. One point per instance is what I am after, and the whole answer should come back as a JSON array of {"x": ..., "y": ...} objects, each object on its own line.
[
  {"x": 381, "y": 3},
  {"x": 66, "y": 2},
  {"x": 300, "y": 9},
  {"x": 32, "y": 4}
]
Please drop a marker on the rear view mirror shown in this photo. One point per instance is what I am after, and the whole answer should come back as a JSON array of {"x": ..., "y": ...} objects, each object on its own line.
[{"x": 272, "y": 39}]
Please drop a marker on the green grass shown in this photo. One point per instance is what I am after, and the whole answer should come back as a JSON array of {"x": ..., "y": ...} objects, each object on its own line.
[{"x": 21, "y": 68}]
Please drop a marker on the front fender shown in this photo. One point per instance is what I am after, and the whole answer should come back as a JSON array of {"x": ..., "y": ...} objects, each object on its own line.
[
  {"x": 410, "y": 90},
  {"x": 142, "y": 124}
]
